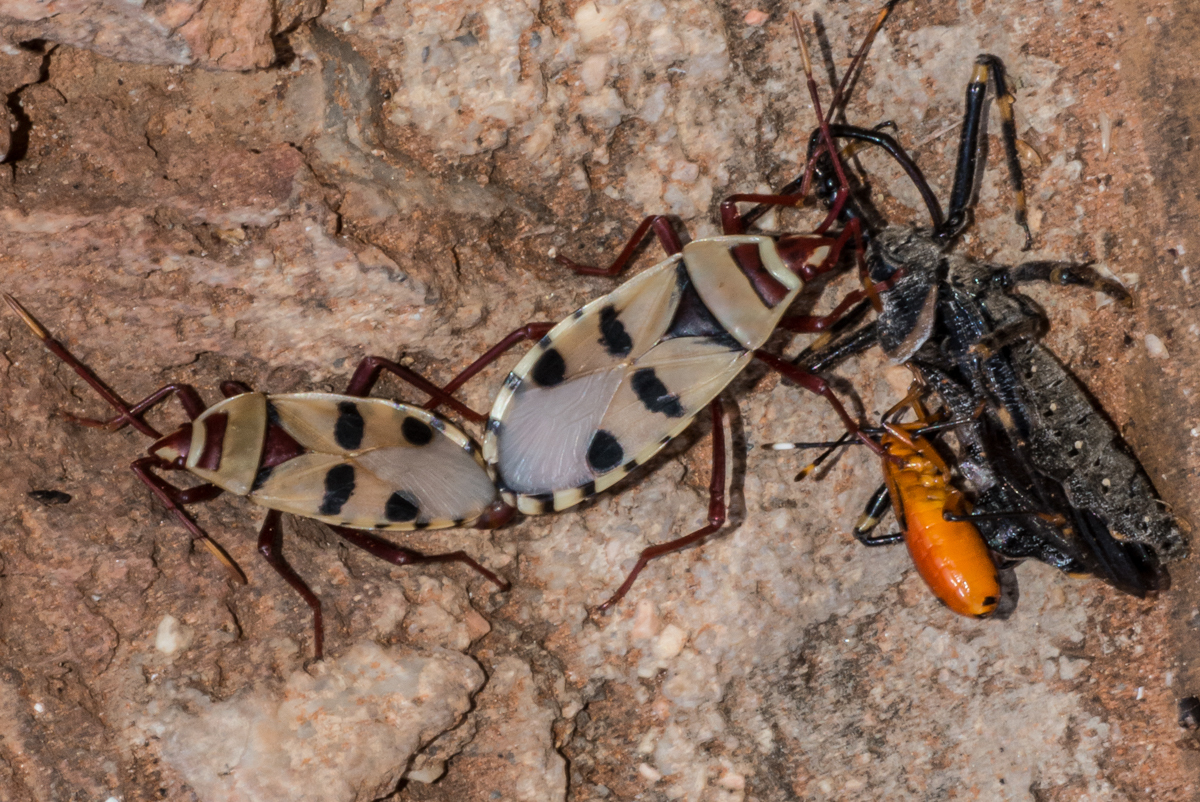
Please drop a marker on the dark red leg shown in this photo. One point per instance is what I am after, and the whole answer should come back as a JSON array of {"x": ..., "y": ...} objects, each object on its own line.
[
  {"x": 396, "y": 555},
  {"x": 175, "y": 497},
  {"x": 666, "y": 235},
  {"x": 270, "y": 546},
  {"x": 231, "y": 388},
  {"x": 731, "y": 218},
  {"x": 530, "y": 331},
  {"x": 192, "y": 404},
  {"x": 716, "y": 511},
  {"x": 367, "y": 374},
  {"x": 813, "y": 324},
  {"x": 815, "y": 384}
]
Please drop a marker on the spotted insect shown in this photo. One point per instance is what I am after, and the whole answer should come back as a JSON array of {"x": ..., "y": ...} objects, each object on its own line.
[
  {"x": 606, "y": 388},
  {"x": 352, "y": 462}
]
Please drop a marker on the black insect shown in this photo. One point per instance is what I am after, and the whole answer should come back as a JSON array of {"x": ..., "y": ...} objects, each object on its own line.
[
  {"x": 51, "y": 498},
  {"x": 1050, "y": 475}
]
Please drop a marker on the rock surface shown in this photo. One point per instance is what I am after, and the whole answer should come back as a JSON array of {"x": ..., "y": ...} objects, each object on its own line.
[{"x": 198, "y": 192}]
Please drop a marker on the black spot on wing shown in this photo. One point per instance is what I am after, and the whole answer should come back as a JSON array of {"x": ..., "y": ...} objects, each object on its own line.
[
  {"x": 339, "y": 486},
  {"x": 348, "y": 430},
  {"x": 654, "y": 395},
  {"x": 604, "y": 452},
  {"x": 588, "y": 489},
  {"x": 613, "y": 337},
  {"x": 401, "y": 507},
  {"x": 549, "y": 370},
  {"x": 511, "y": 382},
  {"x": 416, "y": 431},
  {"x": 494, "y": 425}
]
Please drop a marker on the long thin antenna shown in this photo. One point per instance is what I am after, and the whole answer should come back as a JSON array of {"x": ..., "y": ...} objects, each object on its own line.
[
  {"x": 839, "y": 97},
  {"x": 85, "y": 373},
  {"x": 844, "y": 188}
]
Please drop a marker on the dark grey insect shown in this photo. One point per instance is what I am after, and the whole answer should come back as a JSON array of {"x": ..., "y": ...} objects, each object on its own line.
[{"x": 1052, "y": 478}]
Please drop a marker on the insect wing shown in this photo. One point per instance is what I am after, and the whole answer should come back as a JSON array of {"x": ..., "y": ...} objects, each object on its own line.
[
  {"x": 1076, "y": 444},
  {"x": 663, "y": 391},
  {"x": 603, "y": 391},
  {"x": 374, "y": 464}
]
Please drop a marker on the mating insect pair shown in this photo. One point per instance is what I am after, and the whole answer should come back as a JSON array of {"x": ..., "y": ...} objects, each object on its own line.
[{"x": 599, "y": 394}]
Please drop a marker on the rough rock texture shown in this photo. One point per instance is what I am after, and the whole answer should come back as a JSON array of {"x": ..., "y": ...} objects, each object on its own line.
[
  {"x": 346, "y": 733},
  {"x": 390, "y": 181},
  {"x": 212, "y": 34}
]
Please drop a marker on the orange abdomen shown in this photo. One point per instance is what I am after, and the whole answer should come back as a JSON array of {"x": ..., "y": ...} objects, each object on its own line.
[{"x": 950, "y": 555}]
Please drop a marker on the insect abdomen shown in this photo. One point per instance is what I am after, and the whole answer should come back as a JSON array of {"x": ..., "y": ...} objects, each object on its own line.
[{"x": 949, "y": 555}]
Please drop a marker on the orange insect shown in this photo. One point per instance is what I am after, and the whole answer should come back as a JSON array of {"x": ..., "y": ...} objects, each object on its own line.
[
  {"x": 948, "y": 551},
  {"x": 950, "y": 555}
]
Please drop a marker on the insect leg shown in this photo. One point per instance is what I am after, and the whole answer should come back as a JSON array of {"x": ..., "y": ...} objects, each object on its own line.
[
  {"x": 1032, "y": 327},
  {"x": 231, "y": 388},
  {"x": 1127, "y": 565},
  {"x": 666, "y": 235},
  {"x": 397, "y": 555},
  {"x": 530, "y": 331},
  {"x": 815, "y": 384},
  {"x": 192, "y": 404},
  {"x": 732, "y": 222},
  {"x": 716, "y": 511},
  {"x": 968, "y": 149},
  {"x": 270, "y": 546},
  {"x": 812, "y": 324},
  {"x": 872, "y": 515},
  {"x": 367, "y": 373},
  {"x": 1064, "y": 273},
  {"x": 833, "y": 348},
  {"x": 175, "y": 497}
]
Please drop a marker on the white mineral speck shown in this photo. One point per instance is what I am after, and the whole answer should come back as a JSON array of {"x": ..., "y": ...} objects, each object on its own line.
[
  {"x": 645, "y": 621},
  {"x": 649, "y": 772},
  {"x": 172, "y": 636},
  {"x": 670, "y": 642},
  {"x": 594, "y": 72},
  {"x": 1155, "y": 347},
  {"x": 39, "y": 708}
]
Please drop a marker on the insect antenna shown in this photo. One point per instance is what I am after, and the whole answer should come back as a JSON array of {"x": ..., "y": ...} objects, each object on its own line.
[
  {"x": 851, "y": 75},
  {"x": 814, "y": 94},
  {"x": 125, "y": 414}
]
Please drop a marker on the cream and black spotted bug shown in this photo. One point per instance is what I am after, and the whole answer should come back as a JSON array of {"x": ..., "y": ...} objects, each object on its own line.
[
  {"x": 605, "y": 389},
  {"x": 352, "y": 462}
]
